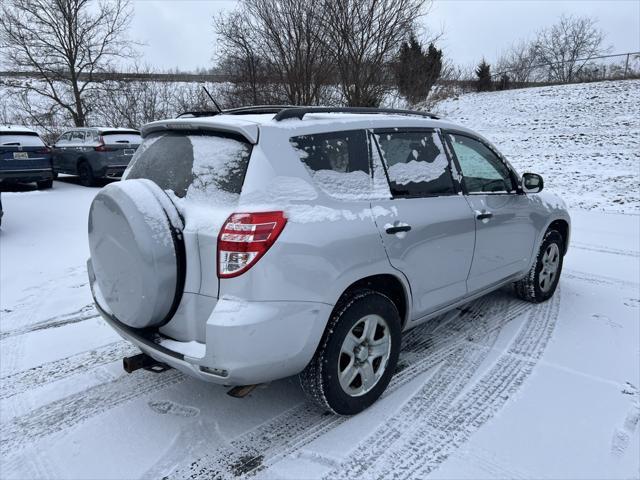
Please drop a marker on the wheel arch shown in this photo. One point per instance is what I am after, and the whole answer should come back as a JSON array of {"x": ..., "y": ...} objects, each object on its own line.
[
  {"x": 387, "y": 284},
  {"x": 562, "y": 226}
]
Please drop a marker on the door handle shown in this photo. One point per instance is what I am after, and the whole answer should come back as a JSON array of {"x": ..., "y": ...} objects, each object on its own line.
[
  {"x": 484, "y": 215},
  {"x": 397, "y": 229}
]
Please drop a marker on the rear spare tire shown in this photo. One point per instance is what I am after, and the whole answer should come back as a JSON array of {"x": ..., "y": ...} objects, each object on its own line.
[{"x": 137, "y": 253}]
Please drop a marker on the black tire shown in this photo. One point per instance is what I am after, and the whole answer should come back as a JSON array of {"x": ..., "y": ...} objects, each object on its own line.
[
  {"x": 320, "y": 379},
  {"x": 55, "y": 175},
  {"x": 530, "y": 288},
  {"x": 85, "y": 173},
  {"x": 44, "y": 184}
]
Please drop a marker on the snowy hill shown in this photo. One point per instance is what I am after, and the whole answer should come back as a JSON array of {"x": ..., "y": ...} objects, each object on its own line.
[{"x": 584, "y": 139}]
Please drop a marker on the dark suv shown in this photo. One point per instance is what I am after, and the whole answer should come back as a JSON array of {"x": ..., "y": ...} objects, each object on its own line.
[
  {"x": 24, "y": 157},
  {"x": 93, "y": 153}
]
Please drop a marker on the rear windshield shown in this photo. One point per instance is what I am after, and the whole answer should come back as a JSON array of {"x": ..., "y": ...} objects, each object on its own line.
[
  {"x": 26, "y": 139},
  {"x": 119, "y": 137},
  {"x": 193, "y": 164}
]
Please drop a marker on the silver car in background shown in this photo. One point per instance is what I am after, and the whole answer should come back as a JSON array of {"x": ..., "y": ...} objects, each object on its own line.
[
  {"x": 93, "y": 153},
  {"x": 261, "y": 243}
]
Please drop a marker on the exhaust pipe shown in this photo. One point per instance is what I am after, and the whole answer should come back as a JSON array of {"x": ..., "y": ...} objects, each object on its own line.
[{"x": 144, "y": 361}]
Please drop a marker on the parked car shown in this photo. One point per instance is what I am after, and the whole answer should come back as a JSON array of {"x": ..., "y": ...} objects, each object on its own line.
[
  {"x": 93, "y": 153},
  {"x": 243, "y": 248},
  {"x": 24, "y": 157}
]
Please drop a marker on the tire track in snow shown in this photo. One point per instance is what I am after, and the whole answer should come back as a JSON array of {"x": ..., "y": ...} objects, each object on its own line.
[
  {"x": 438, "y": 434},
  {"x": 20, "y": 382},
  {"x": 605, "y": 249},
  {"x": 82, "y": 406},
  {"x": 424, "y": 347},
  {"x": 598, "y": 279},
  {"x": 85, "y": 313}
]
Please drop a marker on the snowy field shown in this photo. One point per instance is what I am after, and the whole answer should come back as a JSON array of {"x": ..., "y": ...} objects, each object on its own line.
[{"x": 497, "y": 389}]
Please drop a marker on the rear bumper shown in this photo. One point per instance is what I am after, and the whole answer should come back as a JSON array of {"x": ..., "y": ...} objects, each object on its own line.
[
  {"x": 26, "y": 175},
  {"x": 111, "y": 171},
  {"x": 246, "y": 342}
]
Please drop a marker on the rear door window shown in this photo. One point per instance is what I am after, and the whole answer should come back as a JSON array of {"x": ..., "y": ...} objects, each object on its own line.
[
  {"x": 18, "y": 139},
  {"x": 416, "y": 162},
  {"x": 206, "y": 166},
  {"x": 340, "y": 164}
]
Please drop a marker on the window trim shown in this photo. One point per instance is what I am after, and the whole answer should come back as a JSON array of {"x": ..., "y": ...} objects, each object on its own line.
[
  {"x": 454, "y": 183},
  {"x": 512, "y": 174}
]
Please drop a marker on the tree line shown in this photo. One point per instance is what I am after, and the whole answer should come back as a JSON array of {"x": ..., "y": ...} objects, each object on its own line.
[{"x": 329, "y": 52}]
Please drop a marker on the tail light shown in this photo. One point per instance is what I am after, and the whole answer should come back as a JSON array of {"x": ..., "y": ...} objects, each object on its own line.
[
  {"x": 245, "y": 238},
  {"x": 102, "y": 147},
  {"x": 44, "y": 150}
]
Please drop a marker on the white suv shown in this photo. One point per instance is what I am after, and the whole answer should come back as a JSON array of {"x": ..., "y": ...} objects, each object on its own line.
[{"x": 266, "y": 242}]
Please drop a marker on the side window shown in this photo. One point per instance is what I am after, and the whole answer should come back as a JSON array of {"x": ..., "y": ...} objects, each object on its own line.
[
  {"x": 482, "y": 170},
  {"x": 64, "y": 139},
  {"x": 91, "y": 137},
  {"x": 416, "y": 162},
  {"x": 77, "y": 137},
  {"x": 339, "y": 164}
]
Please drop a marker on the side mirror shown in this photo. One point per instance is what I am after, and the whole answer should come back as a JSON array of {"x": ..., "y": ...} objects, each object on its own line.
[{"x": 532, "y": 182}]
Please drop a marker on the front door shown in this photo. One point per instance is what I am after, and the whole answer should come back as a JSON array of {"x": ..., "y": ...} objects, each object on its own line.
[
  {"x": 432, "y": 234},
  {"x": 505, "y": 231}
]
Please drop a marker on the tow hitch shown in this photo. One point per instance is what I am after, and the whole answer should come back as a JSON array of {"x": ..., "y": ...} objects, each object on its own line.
[{"x": 142, "y": 360}]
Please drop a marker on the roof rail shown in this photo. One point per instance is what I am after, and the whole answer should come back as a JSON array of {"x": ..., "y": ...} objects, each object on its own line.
[
  {"x": 199, "y": 113},
  {"x": 257, "y": 109},
  {"x": 300, "y": 112}
]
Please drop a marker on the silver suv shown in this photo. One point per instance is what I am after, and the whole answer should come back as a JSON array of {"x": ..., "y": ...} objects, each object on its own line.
[{"x": 261, "y": 243}]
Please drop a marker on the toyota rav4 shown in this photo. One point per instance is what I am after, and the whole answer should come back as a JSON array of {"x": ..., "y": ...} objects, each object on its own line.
[{"x": 264, "y": 242}]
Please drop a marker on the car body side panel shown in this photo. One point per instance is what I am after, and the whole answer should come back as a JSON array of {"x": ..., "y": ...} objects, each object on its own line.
[
  {"x": 504, "y": 242},
  {"x": 436, "y": 253}
]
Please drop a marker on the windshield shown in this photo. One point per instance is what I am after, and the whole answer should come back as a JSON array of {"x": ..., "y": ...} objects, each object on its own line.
[
  {"x": 195, "y": 165},
  {"x": 26, "y": 139}
]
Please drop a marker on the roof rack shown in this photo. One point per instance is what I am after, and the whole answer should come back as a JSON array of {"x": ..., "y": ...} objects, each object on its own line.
[
  {"x": 300, "y": 112},
  {"x": 200, "y": 113},
  {"x": 283, "y": 112},
  {"x": 257, "y": 109}
]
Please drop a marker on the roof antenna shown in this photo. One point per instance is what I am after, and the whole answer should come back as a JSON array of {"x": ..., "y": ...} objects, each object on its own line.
[{"x": 214, "y": 102}]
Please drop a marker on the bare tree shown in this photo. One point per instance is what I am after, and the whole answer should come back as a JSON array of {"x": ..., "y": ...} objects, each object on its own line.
[
  {"x": 567, "y": 46},
  {"x": 518, "y": 62},
  {"x": 67, "y": 43},
  {"x": 363, "y": 37},
  {"x": 276, "y": 43}
]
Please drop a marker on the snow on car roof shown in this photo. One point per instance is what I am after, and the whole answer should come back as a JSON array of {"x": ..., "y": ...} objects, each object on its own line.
[
  {"x": 249, "y": 124},
  {"x": 16, "y": 129}
]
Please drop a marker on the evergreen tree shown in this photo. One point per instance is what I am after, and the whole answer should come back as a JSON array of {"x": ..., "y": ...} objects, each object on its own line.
[
  {"x": 417, "y": 71},
  {"x": 483, "y": 72}
]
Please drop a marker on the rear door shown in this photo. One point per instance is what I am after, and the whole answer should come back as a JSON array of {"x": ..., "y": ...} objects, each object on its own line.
[
  {"x": 505, "y": 230},
  {"x": 59, "y": 152},
  {"x": 432, "y": 237},
  {"x": 23, "y": 152}
]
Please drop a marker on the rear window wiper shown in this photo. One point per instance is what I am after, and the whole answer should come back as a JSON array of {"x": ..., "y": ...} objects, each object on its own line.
[
  {"x": 10, "y": 144},
  {"x": 123, "y": 141}
]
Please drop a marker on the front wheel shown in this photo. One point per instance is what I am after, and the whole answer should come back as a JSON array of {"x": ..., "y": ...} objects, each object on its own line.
[
  {"x": 357, "y": 355},
  {"x": 541, "y": 281}
]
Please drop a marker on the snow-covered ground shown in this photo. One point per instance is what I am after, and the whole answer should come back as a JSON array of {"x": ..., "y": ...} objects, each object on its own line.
[
  {"x": 497, "y": 389},
  {"x": 583, "y": 139}
]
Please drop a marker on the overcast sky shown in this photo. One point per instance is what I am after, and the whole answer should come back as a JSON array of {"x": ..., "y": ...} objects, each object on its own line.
[{"x": 179, "y": 33}]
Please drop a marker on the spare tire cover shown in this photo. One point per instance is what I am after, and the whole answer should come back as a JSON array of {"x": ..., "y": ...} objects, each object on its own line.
[{"x": 134, "y": 255}]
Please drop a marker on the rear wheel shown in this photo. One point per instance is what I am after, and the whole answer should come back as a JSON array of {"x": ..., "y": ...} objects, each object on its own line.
[
  {"x": 357, "y": 355},
  {"x": 44, "y": 184},
  {"x": 541, "y": 281},
  {"x": 85, "y": 173}
]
